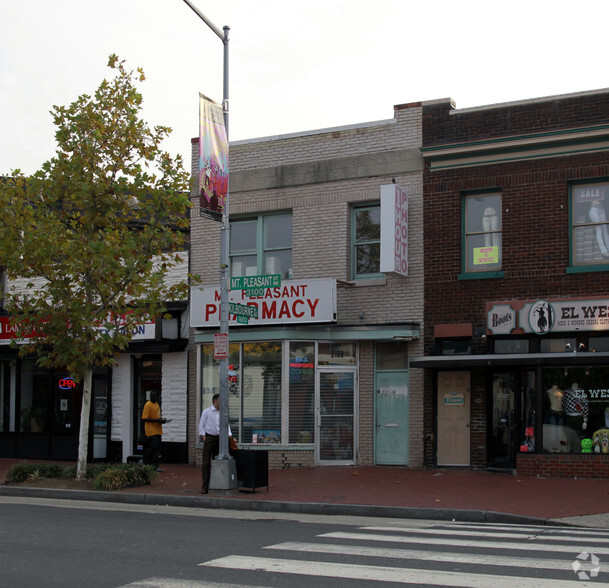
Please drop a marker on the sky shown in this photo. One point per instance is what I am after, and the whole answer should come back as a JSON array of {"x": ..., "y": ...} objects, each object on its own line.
[{"x": 294, "y": 66}]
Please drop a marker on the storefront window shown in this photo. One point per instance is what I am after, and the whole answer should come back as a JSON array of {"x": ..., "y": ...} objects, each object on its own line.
[
  {"x": 261, "y": 393},
  {"x": 7, "y": 398},
  {"x": 590, "y": 240},
  {"x": 210, "y": 383},
  {"x": 302, "y": 392},
  {"x": 392, "y": 356},
  {"x": 254, "y": 389},
  {"x": 482, "y": 232},
  {"x": 576, "y": 410},
  {"x": 35, "y": 397},
  {"x": 336, "y": 354}
]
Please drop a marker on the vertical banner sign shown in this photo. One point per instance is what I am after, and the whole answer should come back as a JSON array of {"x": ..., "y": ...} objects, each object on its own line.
[
  {"x": 394, "y": 230},
  {"x": 213, "y": 159}
]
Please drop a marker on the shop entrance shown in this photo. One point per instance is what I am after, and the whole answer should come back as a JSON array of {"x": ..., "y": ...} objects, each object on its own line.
[
  {"x": 335, "y": 427},
  {"x": 512, "y": 418},
  {"x": 148, "y": 373},
  {"x": 453, "y": 419}
]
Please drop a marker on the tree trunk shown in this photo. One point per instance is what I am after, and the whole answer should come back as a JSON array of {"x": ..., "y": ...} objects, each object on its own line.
[{"x": 83, "y": 437}]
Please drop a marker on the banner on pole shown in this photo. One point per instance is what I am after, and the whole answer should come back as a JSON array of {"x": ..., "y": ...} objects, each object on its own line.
[{"x": 213, "y": 159}]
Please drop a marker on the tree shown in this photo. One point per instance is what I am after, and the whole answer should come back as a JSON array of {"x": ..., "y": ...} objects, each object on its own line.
[{"x": 93, "y": 234}]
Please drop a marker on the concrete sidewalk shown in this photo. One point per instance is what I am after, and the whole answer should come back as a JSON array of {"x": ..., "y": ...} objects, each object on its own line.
[{"x": 442, "y": 494}]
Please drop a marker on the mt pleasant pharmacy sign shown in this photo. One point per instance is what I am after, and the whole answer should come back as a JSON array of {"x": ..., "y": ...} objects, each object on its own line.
[{"x": 295, "y": 301}]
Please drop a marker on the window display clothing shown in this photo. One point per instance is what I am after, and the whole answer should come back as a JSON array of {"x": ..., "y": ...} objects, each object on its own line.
[
  {"x": 555, "y": 412},
  {"x": 490, "y": 222},
  {"x": 575, "y": 403},
  {"x": 597, "y": 215}
]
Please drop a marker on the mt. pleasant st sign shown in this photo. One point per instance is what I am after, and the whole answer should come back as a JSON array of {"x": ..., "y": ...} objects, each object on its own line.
[{"x": 295, "y": 301}]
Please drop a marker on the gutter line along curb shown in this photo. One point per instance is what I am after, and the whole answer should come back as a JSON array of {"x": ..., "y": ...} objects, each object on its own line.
[{"x": 316, "y": 508}]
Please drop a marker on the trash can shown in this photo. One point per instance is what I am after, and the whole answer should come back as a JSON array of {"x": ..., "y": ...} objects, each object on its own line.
[{"x": 252, "y": 469}]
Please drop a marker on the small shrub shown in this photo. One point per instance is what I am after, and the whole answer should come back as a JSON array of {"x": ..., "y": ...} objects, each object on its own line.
[
  {"x": 124, "y": 476},
  {"x": 34, "y": 476},
  {"x": 105, "y": 476}
]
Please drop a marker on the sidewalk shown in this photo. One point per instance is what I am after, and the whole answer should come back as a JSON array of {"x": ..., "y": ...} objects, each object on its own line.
[{"x": 376, "y": 491}]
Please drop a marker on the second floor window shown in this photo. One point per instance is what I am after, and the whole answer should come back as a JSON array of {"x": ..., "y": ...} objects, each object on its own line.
[
  {"x": 482, "y": 231},
  {"x": 366, "y": 241},
  {"x": 261, "y": 245},
  {"x": 590, "y": 229}
]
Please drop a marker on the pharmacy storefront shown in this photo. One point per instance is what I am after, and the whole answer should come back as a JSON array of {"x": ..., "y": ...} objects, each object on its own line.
[{"x": 294, "y": 374}]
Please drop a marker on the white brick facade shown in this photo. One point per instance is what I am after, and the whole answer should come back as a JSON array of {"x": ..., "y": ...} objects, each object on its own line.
[{"x": 318, "y": 177}]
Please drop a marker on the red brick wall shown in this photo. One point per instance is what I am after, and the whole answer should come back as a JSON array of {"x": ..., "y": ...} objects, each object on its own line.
[
  {"x": 561, "y": 465},
  {"x": 535, "y": 253},
  {"x": 440, "y": 126}
]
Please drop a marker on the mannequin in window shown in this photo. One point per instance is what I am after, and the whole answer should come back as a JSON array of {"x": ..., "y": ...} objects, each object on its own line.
[
  {"x": 575, "y": 403},
  {"x": 490, "y": 222},
  {"x": 597, "y": 215},
  {"x": 555, "y": 413}
]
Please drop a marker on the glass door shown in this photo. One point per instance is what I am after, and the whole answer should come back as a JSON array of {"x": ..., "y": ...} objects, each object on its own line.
[
  {"x": 335, "y": 434},
  {"x": 503, "y": 437}
]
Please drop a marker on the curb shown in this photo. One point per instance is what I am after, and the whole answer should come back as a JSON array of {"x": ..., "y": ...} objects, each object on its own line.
[{"x": 315, "y": 508}]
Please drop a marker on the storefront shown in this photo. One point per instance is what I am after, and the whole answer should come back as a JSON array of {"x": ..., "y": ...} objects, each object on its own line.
[
  {"x": 301, "y": 386},
  {"x": 538, "y": 401},
  {"x": 40, "y": 408}
]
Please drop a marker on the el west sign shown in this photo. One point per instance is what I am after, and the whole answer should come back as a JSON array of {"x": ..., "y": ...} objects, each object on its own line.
[{"x": 295, "y": 301}]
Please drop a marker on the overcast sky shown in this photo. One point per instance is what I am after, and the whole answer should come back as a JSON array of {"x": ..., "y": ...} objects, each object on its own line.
[{"x": 294, "y": 66}]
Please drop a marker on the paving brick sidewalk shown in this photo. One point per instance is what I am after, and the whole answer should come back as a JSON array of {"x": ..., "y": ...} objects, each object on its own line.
[{"x": 403, "y": 487}]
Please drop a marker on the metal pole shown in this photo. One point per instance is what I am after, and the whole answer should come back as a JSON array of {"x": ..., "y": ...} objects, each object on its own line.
[
  {"x": 224, "y": 254},
  {"x": 224, "y": 477}
]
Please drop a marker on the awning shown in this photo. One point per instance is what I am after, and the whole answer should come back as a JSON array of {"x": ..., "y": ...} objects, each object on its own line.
[
  {"x": 510, "y": 359},
  {"x": 380, "y": 332}
]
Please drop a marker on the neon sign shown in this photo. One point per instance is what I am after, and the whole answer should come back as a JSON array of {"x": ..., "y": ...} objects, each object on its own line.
[{"x": 67, "y": 383}]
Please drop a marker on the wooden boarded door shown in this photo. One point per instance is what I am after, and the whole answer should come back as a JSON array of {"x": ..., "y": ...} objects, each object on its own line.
[{"x": 453, "y": 419}]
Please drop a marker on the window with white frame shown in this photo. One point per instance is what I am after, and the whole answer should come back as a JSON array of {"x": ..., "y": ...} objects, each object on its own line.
[
  {"x": 261, "y": 245},
  {"x": 590, "y": 230},
  {"x": 366, "y": 241},
  {"x": 482, "y": 232}
]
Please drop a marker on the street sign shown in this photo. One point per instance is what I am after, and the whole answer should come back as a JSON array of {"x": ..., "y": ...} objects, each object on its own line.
[
  {"x": 243, "y": 310},
  {"x": 255, "y": 285},
  {"x": 221, "y": 346}
]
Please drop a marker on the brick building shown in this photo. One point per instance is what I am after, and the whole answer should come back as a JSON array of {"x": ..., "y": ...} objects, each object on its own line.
[
  {"x": 321, "y": 377},
  {"x": 517, "y": 285}
]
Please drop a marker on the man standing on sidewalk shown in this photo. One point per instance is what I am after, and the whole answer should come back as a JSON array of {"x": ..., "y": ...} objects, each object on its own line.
[
  {"x": 209, "y": 429},
  {"x": 151, "y": 416}
]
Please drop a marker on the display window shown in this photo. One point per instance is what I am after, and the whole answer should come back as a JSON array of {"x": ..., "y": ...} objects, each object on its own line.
[
  {"x": 483, "y": 232},
  {"x": 254, "y": 394},
  {"x": 576, "y": 410},
  {"x": 590, "y": 227},
  {"x": 302, "y": 392}
]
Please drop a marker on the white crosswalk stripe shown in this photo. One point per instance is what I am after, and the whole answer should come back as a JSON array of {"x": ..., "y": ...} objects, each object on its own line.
[{"x": 501, "y": 556}]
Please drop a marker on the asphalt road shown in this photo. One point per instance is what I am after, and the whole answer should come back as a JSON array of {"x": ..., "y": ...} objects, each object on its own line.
[{"x": 59, "y": 543}]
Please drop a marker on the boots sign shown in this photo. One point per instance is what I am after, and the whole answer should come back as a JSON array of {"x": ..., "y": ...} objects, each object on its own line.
[{"x": 548, "y": 316}]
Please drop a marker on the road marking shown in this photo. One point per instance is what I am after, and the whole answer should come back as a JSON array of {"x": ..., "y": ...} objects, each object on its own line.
[
  {"x": 472, "y": 533},
  {"x": 382, "y": 573},
  {"x": 446, "y": 541},
  {"x": 440, "y": 556}
]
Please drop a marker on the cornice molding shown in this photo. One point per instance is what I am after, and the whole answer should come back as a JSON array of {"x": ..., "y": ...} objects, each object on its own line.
[{"x": 518, "y": 148}]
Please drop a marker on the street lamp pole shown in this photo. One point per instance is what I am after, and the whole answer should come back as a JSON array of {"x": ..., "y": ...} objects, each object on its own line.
[{"x": 223, "y": 473}]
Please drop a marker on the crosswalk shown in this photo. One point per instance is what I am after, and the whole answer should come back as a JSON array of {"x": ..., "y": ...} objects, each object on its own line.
[{"x": 474, "y": 555}]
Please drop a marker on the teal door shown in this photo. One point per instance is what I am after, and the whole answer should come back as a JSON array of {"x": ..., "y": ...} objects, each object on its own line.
[{"x": 391, "y": 416}]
